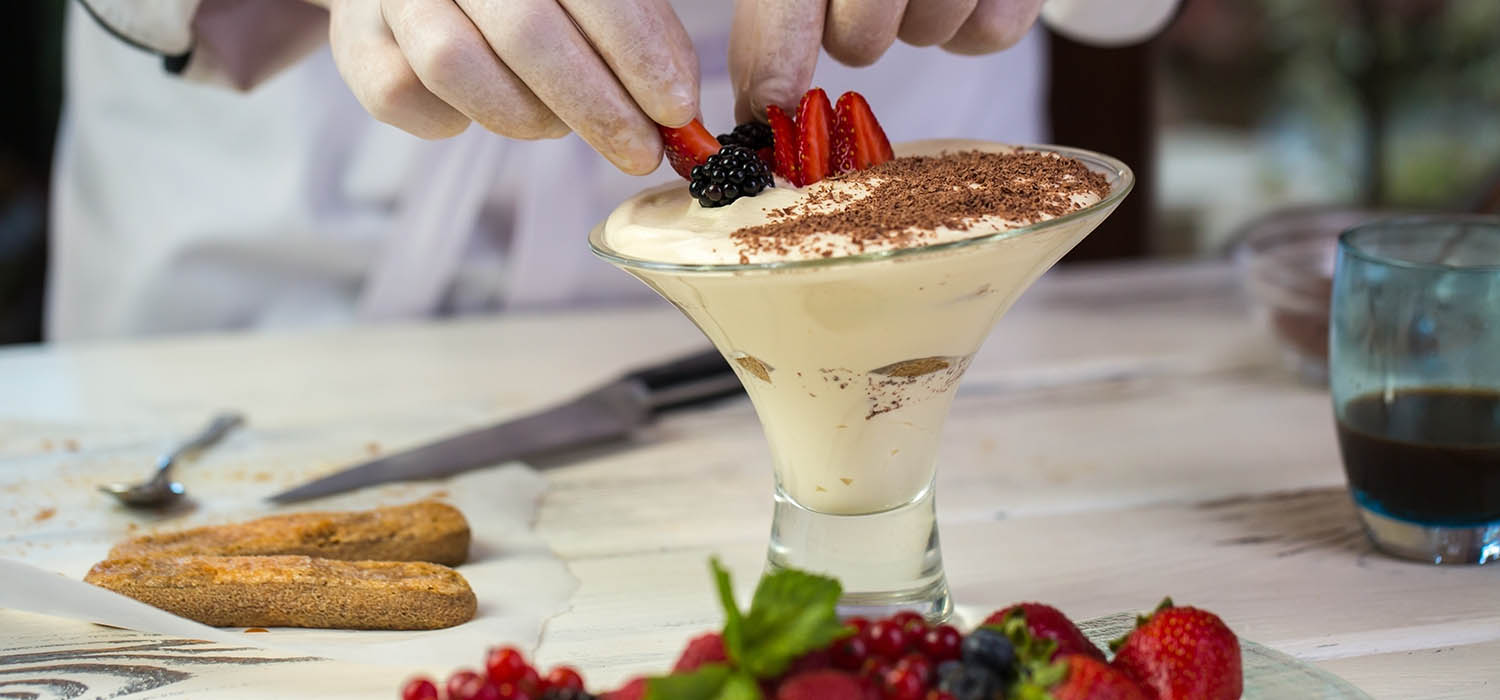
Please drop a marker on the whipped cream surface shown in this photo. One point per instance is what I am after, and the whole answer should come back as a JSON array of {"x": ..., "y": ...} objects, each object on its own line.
[{"x": 665, "y": 224}]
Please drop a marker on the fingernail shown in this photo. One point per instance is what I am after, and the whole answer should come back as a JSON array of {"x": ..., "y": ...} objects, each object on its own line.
[
  {"x": 679, "y": 105},
  {"x": 637, "y": 156}
]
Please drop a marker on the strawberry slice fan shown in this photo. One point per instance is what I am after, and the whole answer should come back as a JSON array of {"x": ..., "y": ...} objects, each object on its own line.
[
  {"x": 822, "y": 140},
  {"x": 814, "y": 131},
  {"x": 783, "y": 144}
]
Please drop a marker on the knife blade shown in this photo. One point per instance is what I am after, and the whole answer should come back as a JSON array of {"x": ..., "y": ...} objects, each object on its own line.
[{"x": 608, "y": 412}]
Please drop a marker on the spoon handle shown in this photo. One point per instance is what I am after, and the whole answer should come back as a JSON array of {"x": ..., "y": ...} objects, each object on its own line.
[{"x": 212, "y": 433}]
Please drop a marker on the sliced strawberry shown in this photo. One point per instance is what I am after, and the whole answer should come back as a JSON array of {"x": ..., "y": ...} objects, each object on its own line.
[
  {"x": 687, "y": 146},
  {"x": 814, "y": 127},
  {"x": 858, "y": 140},
  {"x": 784, "y": 144}
]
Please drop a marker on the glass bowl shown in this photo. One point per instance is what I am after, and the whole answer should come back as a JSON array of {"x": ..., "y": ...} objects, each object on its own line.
[{"x": 1285, "y": 261}]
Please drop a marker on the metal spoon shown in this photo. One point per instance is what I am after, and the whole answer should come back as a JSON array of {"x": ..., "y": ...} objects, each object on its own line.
[{"x": 160, "y": 490}]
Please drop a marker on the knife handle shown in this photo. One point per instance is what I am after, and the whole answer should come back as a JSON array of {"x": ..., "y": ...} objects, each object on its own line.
[
  {"x": 691, "y": 368},
  {"x": 688, "y": 381}
]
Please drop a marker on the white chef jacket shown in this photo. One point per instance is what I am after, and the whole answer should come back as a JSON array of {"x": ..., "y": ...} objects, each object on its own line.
[{"x": 182, "y": 205}]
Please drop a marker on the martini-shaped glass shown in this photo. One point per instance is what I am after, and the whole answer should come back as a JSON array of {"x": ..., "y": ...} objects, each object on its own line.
[{"x": 851, "y": 364}]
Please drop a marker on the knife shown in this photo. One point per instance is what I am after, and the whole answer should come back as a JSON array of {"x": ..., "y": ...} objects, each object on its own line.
[{"x": 607, "y": 412}]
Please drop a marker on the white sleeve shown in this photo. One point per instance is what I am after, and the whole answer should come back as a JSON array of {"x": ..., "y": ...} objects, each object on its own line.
[
  {"x": 1107, "y": 23},
  {"x": 234, "y": 43}
]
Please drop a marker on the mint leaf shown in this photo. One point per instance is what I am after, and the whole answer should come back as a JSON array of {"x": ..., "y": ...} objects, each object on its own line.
[
  {"x": 707, "y": 682},
  {"x": 734, "y": 623},
  {"x": 792, "y": 613}
]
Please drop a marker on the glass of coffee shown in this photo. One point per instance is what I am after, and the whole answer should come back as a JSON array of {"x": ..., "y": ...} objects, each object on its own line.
[{"x": 1414, "y": 362}]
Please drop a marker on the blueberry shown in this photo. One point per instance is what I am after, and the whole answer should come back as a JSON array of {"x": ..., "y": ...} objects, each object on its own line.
[
  {"x": 990, "y": 649},
  {"x": 969, "y": 681}
]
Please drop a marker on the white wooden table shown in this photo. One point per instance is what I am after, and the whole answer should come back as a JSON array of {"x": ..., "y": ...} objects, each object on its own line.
[{"x": 1125, "y": 434}]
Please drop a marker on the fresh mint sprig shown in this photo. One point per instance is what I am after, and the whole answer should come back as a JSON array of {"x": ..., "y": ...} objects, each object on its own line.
[
  {"x": 707, "y": 682},
  {"x": 792, "y": 613}
]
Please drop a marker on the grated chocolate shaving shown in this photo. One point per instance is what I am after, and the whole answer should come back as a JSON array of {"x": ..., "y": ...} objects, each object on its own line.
[{"x": 909, "y": 197}]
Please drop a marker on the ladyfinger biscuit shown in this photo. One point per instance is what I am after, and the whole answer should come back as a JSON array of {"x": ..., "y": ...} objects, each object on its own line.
[
  {"x": 293, "y": 591},
  {"x": 425, "y": 531}
]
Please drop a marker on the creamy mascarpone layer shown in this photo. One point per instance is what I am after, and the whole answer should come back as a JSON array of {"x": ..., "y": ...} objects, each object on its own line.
[{"x": 665, "y": 224}]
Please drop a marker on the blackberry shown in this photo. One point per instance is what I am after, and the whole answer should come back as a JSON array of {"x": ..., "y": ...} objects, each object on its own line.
[
  {"x": 566, "y": 694},
  {"x": 751, "y": 135},
  {"x": 733, "y": 172}
]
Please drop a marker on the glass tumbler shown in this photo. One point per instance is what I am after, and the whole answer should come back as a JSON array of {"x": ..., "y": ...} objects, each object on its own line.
[{"x": 1414, "y": 361}]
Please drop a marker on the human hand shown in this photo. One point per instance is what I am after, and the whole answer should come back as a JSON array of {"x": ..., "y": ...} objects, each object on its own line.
[
  {"x": 774, "y": 46},
  {"x": 529, "y": 69}
]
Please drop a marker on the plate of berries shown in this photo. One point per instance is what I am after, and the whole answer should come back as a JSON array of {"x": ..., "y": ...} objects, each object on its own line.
[{"x": 790, "y": 644}]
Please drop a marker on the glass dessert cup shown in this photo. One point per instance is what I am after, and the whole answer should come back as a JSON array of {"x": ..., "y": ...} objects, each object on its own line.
[{"x": 851, "y": 364}]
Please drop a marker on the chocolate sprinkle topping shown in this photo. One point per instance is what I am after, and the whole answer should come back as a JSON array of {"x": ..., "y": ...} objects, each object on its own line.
[{"x": 907, "y": 198}]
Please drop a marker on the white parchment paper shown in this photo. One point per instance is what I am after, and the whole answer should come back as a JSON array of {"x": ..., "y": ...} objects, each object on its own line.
[{"x": 61, "y": 532}]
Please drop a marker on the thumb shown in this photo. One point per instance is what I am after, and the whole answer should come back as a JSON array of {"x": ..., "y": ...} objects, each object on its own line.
[{"x": 773, "y": 49}]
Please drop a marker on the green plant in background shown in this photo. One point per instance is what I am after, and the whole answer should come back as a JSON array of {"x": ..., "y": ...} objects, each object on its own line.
[{"x": 1396, "y": 101}]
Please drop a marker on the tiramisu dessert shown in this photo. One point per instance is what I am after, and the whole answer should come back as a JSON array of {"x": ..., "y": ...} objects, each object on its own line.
[{"x": 850, "y": 291}]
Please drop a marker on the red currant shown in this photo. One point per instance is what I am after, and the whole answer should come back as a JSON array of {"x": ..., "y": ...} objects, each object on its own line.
[
  {"x": 903, "y": 684},
  {"x": 918, "y": 664},
  {"x": 487, "y": 691},
  {"x": 912, "y": 622},
  {"x": 464, "y": 685},
  {"x": 850, "y": 653},
  {"x": 509, "y": 691},
  {"x": 874, "y": 668},
  {"x": 942, "y": 643},
  {"x": 564, "y": 678},
  {"x": 504, "y": 664},
  {"x": 529, "y": 681},
  {"x": 886, "y": 639},
  {"x": 419, "y": 689},
  {"x": 859, "y": 624}
]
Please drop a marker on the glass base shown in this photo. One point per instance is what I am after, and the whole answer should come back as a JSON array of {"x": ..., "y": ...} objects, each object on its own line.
[
  {"x": 887, "y": 561},
  {"x": 1436, "y": 544}
]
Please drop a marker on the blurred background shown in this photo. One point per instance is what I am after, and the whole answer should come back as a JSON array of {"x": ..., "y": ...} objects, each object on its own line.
[{"x": 1241, "y": 110}]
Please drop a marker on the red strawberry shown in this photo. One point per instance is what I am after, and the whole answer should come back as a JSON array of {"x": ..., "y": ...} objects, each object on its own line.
[
  {"x": 814, "y": 129},
  {"x": 826, "y": 685},
  {"x": 706, "y": 649},
  {"x": 1047, "y": 622},
  {"x": 784, "y": 140},
  {"x": 767, "y": 155},
  {"x": 1182, "y": 653},
  {"x": 687, "y": 146},
  {"x": 1088, "y": 678},
  {"x": 634, "y": 690},
  {"x": 858, "y": 140}
]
